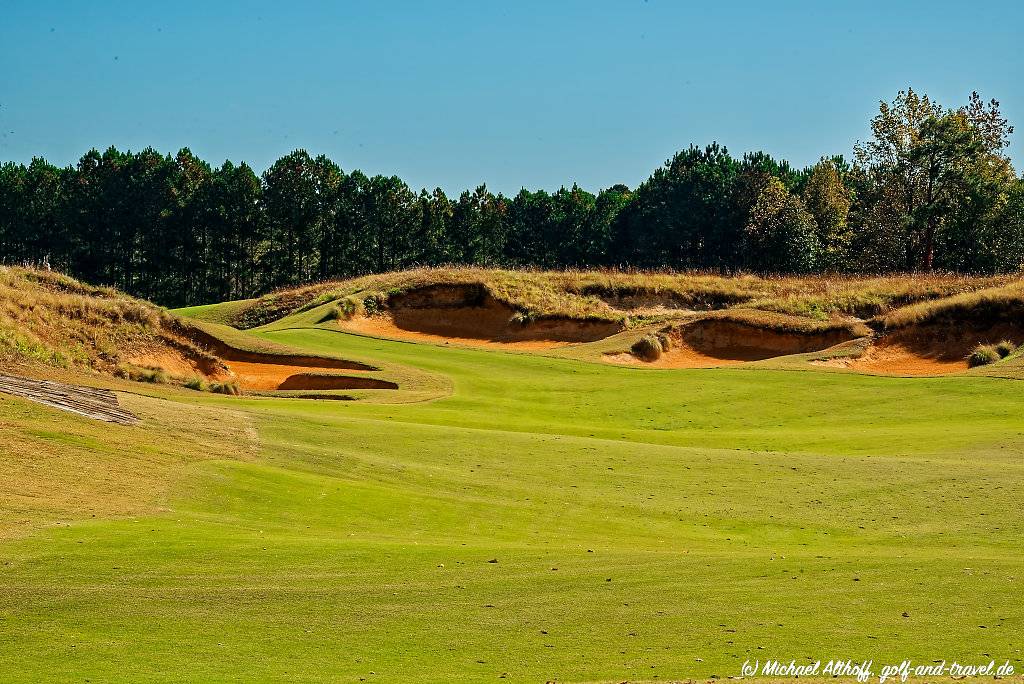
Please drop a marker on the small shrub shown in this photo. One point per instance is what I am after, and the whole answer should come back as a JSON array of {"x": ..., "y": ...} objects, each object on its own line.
[
  {"x": 523, "y": 317},
  {"x": 983, "y": 355},
  {"x": 230, "y": 387},
  {"x": 665, "y": 341},
  {"x": 137, "y": 374},
  {"x": 371, "y": 305},
  {"x": 196, "y": 384},
  {"x": 156, "y": 375},
  {"x": 1005, "y": 348},
  {"x": 647, "y": 348},
  {"x": 349, "y": 307}
]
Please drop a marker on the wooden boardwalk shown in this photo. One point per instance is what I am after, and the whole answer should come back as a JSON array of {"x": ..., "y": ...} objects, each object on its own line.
[{"x": 99, "y": 404}]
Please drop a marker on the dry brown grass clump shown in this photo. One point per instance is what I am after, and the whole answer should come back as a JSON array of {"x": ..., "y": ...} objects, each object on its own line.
[
  {"x": 648, "y": 348},
  {"x": 982, "y": 355},
  {"x": 985, "y": 354}
]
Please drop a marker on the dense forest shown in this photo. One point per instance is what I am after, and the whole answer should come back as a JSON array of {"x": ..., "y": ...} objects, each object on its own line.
[{"x": 932, "y": 189}]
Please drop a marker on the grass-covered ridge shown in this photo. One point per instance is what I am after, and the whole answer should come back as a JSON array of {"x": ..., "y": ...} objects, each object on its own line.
[
  {"x": 55, "y": 327},
  {"x": 757, "y": 319},
  {"x": 986, "y": 306},
  {"x": 615, "y": 296},
  {"x": 50, "y": 319}
]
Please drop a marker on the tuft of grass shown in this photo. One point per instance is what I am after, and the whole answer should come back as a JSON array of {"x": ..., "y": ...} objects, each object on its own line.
[
  {"x": 138, "y": 374},
  {"x": 1005, "y": 348},
  {"x": 230, "y": 387},
  {"x": 350, "y": 306},
  {"x": 197, "y": 384},
  {"x": 647, "y": 348},
  {"x": 786, "y": 323},
  {"x": 371, "y": 304},
  {"x": 983, "y": 355}
]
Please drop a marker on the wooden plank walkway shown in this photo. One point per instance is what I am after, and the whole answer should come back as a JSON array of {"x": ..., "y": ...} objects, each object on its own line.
[{"x": 99, "y": 404}]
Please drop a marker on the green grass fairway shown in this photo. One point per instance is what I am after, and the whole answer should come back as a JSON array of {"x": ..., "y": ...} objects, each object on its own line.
[{"x": 546, "y": 519}]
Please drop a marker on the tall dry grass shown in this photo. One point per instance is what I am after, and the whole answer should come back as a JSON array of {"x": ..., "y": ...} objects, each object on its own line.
[{"x": 49, "y": 318}]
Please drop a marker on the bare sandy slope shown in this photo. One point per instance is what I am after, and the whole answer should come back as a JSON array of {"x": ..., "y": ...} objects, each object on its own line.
[
  {"x": 896, "y": 359},
  {"x": 384, "y": 326},
  {"x": 469, "y": 315},
  {"x": 178, "y": 364},
  {"x": 678, "y": 357}
]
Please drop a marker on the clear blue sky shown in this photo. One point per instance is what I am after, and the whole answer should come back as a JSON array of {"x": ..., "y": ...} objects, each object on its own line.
[{"x": 518, "y": 93}]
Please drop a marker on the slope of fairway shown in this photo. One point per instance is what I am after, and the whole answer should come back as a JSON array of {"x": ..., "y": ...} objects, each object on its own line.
[{"x": 551, "y": 519}]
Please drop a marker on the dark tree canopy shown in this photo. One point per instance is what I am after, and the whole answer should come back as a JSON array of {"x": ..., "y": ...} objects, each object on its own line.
[{"x": 933, "y": 188}]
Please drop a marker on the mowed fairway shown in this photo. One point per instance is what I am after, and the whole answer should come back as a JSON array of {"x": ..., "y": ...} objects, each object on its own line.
[{"x": 550, "y": 520}]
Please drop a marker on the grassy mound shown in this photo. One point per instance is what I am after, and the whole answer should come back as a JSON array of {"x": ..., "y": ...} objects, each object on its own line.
[
  {"x": 788, "y": 324},
  {"x": 50, "y": 320},
  {"x": 610, "y": 295},
  {"x": 53, "y": 320},
  {"x": 974, "y": 329},
  {"x": 233, "y": 345},
  {"x": 985, "y": 307},
  {"x": 983, "y": 355}
]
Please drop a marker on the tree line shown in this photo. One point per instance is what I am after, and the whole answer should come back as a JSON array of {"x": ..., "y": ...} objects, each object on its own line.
[{"x": 932, "y": 189}]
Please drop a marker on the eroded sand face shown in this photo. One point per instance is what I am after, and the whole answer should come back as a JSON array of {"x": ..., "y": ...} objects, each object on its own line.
[
  {"x": 895, "y": 359},
  {"x": 178, "y": 364},
  {"x": 255, "y": 371},
  {"x": 677, "y": 357},
  {"x": 468, "y": 315},
  {"x": 711, "y": 343},
  {"x": 384, "y": 326}
]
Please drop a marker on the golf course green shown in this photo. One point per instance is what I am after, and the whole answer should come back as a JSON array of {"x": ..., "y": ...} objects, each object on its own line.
[{"x": 540, "y": 519}]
